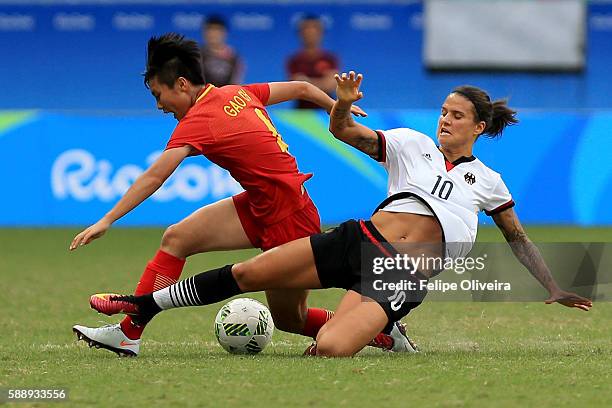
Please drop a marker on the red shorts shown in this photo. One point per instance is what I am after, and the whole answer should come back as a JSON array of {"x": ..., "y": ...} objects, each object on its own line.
[{"x": 300, "y": 224}]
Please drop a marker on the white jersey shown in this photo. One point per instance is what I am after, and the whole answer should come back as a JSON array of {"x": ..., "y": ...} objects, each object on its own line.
[{"x": 453, "y": 192}]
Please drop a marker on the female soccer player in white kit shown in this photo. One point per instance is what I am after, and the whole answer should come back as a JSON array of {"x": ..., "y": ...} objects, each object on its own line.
[{"x": 434, "y": 196}]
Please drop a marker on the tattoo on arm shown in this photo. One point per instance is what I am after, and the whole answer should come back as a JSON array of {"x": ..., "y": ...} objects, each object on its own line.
[
  {"x": 368, "y": 145},
  {"x": 528, "y": 254},
  {"x": 341, "y": 119}
]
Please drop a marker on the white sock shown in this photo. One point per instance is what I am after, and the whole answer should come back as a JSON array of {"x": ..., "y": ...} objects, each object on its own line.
[
  {"x": 181, "y": 294},
  {"x": 162, "y": 298}
]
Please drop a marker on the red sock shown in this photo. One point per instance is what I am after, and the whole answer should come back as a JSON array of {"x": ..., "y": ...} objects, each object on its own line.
[
  {"x": 383, "y": 341},
  {"x": 315, "y": 319},
  {"x": 161, "y": 271}
]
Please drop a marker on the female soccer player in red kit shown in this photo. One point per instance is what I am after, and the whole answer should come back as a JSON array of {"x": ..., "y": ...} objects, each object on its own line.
[{"x": 230, "y": 126}]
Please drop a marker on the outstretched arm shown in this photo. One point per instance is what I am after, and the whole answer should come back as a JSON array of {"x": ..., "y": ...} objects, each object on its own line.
[
  {"x": 145, "y": 185},
  {"x": 326, "y": 82},
  {"x": 287, "y": 91},
  {"x": 529, "y": 255},
  {"x": 341, "y": 123}
]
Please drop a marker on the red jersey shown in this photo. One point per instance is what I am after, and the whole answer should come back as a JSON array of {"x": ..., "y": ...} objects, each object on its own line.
[{"x": 230, "y": 126}]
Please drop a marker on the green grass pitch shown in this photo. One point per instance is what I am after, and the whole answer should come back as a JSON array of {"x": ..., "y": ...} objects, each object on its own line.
[{"x": 473, "y": 354}]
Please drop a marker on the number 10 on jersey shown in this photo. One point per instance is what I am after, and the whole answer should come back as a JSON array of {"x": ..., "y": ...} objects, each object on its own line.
[{"x": 444, "y": 190}]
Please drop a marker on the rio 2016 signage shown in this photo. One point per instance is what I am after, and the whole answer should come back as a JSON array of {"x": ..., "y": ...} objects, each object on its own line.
[
  {"x": 76, "y": 166},
  {"x": 77, "y": 174}
]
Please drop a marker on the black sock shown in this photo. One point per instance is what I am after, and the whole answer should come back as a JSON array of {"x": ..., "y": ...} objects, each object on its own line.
[{"x": 215, "y": 285}]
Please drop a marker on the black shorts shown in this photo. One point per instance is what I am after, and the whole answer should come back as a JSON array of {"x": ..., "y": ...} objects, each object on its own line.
[{"x": 339, "y": 254}]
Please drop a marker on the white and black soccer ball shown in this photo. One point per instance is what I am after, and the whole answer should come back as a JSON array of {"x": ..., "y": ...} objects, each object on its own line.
[{"x": 244, "y": 326}]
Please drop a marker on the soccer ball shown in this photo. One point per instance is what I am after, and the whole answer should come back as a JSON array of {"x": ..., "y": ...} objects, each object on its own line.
[{"x": 244, "y": 326}]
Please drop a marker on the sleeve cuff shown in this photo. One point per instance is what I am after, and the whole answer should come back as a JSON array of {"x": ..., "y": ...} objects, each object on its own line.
[
  {"x": 501, "y": 208},
  {"x": 382, "y": 147},
  {"x": 195, "y": 152}
]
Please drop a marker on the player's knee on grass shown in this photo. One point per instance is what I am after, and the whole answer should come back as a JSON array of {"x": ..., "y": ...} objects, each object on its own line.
[{"x": 332, "y": 346}]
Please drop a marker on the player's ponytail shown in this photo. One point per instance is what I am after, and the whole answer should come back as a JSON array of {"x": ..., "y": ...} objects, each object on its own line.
[
  {"x": 497, "y": 115},
  {"x": 501, "y": 116}
]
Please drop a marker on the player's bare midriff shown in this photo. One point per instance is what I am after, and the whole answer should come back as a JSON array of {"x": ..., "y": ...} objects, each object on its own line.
[
  {"x": 407, "y": 228},
  {"x": 411, "y": 234}
]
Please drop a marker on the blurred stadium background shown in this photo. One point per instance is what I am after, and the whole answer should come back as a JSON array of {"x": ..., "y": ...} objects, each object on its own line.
[
  {"x": 77, "y": 126},
  {"x": 75, "y": 108}
]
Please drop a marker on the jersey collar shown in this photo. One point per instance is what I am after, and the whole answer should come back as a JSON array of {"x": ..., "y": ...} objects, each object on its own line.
[
  {"x": 462, "y": 159},
  {"x": 204, "y": 92}
]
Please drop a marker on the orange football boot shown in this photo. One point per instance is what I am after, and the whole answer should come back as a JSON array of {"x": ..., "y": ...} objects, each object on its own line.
[{"x": 104, "y": 303}]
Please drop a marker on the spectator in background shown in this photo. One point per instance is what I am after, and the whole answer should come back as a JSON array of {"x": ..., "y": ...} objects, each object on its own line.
[
  {"x": 221, "y": 65},
  {"x": 312, "y": 63}
]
